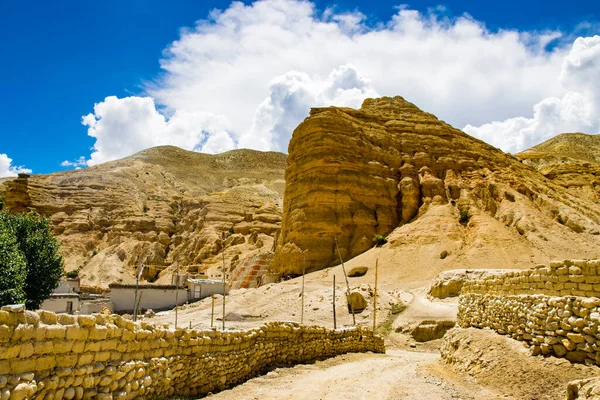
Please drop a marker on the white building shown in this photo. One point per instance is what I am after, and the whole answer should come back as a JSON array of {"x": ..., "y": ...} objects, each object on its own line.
[
  {"x": 61, "y": 303},
  {"x": 155, "y": 297},
  {"x": 201, "y": 288},
  {"x": 64, "y": 299}
]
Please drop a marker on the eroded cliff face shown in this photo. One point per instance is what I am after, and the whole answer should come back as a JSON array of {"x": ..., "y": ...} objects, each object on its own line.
[
  {"x": 161, "y": 207},
  {"x": 572, "y": 160},
  {"x": 354, "y": 174}
]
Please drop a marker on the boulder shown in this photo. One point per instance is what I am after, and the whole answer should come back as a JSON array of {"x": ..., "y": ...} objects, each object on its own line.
[
  {"x": 356, "y": 303},
  {"x": 357, "y": 272}
]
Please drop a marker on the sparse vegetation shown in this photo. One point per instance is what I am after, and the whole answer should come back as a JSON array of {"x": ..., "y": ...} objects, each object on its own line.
[
  {"x": 379, "y": 240},
  {"x": 74, "y": 274},
  {"x": 386, "y": 326},
  {"x": 397, "y": 308},
  {"x": 145, "y": 207},
  {"x": 464, "y": 217}
]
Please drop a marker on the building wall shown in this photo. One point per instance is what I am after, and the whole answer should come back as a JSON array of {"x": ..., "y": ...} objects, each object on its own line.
[
  {"x": 206, "y": 289},
  {"x": 95, "y": 306},
  {"x": 67, "y": 286},
  {"x": 564, "y": 326},
  {"x": 59, "y": 304},
  {"x": 44, "y": 355},
  {"x": 153, "y": 298}
]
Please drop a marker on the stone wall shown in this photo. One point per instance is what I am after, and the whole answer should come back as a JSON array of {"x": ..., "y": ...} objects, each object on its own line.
[
  {"x": 558, "y": 278},
  {"x": 48, "y": 356},
  {"x": 554, "y": 309},
  {"x": 449, "y": 283},
  {"x": 560, "y": 326}
]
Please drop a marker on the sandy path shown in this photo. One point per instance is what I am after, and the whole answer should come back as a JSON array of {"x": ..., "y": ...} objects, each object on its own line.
[{"x": 395, "y": 375}]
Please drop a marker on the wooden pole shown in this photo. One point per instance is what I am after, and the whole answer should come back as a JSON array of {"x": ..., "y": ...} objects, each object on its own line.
[
  {"x": 137, "y": 285},
  {"x": 212, "y": 313},
  {"x": 302, "y": 310},
  {"x": 375, "y": 296},
  {"x": 347, "y": 284},
  {"x": 135, "y": 299},
  {"x": 223, "y": 247},
  {"x": 333, "y": 301},
  {"x": 176, "y": 294}
]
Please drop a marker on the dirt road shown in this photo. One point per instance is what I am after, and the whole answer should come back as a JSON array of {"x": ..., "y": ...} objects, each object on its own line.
[{"x": 399, "y": 374}]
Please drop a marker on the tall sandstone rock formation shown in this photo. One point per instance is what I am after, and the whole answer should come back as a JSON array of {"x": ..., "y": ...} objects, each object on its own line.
[
  {"x": 161, "y": 207},
  {"x": 353, "y": 174}
]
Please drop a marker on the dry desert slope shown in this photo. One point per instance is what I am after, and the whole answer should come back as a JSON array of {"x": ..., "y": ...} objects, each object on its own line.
[
  {"x": 161, "y": 207},
  {"x": 393, "y": 170}
]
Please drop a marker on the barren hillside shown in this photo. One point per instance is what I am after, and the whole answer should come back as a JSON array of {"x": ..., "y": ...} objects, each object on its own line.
[
  {"x": 442, "y": 198},
  {"x": 159, "y": 207},
  {"x": 572, "y": 160}
]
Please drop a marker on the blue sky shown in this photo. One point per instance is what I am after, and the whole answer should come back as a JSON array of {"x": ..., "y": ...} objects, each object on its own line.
[{"x": 60, "y": 58}]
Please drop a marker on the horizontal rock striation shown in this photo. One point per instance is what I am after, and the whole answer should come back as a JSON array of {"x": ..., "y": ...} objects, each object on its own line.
[
  {"x": 45, "y": 355},
  {"x": 355, "y": 174},
  {"x": 160, "y": 207},
  {"x": 571, "y": 160}
]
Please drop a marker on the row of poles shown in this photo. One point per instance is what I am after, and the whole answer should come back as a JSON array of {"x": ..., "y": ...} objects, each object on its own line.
[
  {"x": 212, "y": 314},
  {"x": 348, "y": 291}
]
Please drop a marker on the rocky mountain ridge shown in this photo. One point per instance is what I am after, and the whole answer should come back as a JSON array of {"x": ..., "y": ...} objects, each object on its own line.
[
  {"x": 442, "y": 198},
  {"x": 161, "y": 207},
  {"x": 571, "y": 160}
]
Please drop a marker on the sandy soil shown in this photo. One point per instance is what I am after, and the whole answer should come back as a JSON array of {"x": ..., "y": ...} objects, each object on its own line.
[
  {"x": 395, "y": 375},
  {"x": 409, "y": 370}
]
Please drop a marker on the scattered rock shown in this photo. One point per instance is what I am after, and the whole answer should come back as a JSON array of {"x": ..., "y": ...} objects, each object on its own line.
[
  {"x": 356, "y": 303},
  {"x": 357, "y": 272}
]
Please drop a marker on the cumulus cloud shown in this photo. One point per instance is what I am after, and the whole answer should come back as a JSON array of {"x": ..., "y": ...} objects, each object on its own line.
[
  {"x": 245, "y": 76},
  {"x": 578, "y": 110},
  {"x": 290, "y": 98},
  {"x": 8, "y": 170},
  {"x": 124, "y": 126},
  {"x": 78, "y": 163}
]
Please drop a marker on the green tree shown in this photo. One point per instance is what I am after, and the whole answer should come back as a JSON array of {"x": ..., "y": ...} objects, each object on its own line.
[
  {"x": 40, "y": 250},
  {"x": 13, "y": 270}
]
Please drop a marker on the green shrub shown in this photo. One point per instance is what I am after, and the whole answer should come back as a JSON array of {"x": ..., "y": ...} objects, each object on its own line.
[
  {"x": 379, "y": 240},
  {"x": 464, "y": 217},
  {"x": 398, "y": 308},
  {"x": 74, "y": 274},
  {"x": 1, "y": 201}
]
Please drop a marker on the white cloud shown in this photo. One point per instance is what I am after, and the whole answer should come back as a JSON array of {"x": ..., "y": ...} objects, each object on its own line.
[
  {"x": 290, "y": 98},
  {"x": 245, "y": 76},
  {"x": 578, "y": 110},
  {"x": 8, "y": 170},
  {"x": 78, "y": 163},
  {"x": 124, "y": 126}
]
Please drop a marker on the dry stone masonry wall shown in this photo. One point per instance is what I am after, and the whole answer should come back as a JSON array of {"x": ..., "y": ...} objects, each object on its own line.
[
  {"x": 554, "y": 309},
  {"x": 558, "y": 278},
  {"x": 48, "y": 356}
]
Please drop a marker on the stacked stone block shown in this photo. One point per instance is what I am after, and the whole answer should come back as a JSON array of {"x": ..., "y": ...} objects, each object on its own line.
[
  {"x": 558, "y": 278},
  {"x": 48, "y": 356},
  {"x": 555, "y": 309}
]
